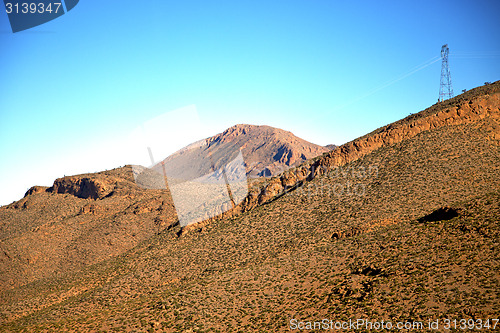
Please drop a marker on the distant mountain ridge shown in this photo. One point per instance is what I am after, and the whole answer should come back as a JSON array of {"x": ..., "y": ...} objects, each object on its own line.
[{"x": 267, "y": 151}]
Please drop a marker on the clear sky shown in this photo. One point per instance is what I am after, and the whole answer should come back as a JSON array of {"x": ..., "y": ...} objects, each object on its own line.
[{"x": 72, "y": 90}]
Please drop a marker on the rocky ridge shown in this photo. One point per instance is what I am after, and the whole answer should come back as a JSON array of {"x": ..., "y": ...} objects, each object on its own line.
[{"x": 469, "y": 107}]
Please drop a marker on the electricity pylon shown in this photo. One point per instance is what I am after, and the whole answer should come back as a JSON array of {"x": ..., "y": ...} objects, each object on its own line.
[{"x": 445, "y": 88}]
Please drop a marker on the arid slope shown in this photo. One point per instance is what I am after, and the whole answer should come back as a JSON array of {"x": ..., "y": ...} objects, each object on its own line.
[{"x": 401, "y": 225}]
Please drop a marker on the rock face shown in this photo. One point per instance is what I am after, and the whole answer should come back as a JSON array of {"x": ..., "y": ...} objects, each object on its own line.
[{"x": 85, "y": 188}]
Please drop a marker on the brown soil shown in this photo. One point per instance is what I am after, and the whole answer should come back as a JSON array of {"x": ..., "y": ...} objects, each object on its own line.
[{"x": 401, "y": 224}]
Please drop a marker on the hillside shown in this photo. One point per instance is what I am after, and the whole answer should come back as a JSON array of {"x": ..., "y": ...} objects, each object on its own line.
[
  {"x": 401, "y": 224},
  {"x": 78, "y": 221},
  {"x": 84, "y": 219}
]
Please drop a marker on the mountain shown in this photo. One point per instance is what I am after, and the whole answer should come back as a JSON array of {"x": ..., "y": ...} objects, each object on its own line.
[
  {"x": 400, "y": 225},
  {"x": 267, "y": 151},
  {"x": 84, "y": 219},
  {"x": 211, "y": 176}
]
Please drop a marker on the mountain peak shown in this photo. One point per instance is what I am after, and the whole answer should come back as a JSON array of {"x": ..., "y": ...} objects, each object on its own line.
[{"x": 267, "y": 151}]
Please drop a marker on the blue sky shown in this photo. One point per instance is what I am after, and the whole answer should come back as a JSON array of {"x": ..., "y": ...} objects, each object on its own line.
[{"x": 72, "y": 90}]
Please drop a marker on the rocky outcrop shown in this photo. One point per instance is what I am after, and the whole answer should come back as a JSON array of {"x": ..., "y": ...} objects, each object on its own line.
[
  {"x": 463, "y": 109},
  {"x": 36, "y": 189},
  {"x": 82, "y": 187}
]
